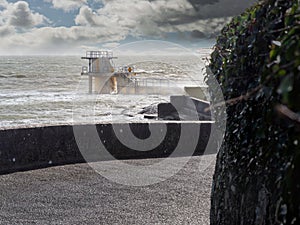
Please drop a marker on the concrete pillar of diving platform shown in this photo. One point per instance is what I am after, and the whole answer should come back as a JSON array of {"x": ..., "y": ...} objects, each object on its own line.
[
  {"x": 90, "y": 84},
  {"x": 106, "y": 84},
  {"x": 103, "y": 81}
]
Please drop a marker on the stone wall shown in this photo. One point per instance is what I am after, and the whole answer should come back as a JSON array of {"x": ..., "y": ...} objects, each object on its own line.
[{"x": 31, "y": 148}]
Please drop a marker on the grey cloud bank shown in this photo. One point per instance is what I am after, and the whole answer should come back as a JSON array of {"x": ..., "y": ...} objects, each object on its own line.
[{"x": 25, "y": 30}]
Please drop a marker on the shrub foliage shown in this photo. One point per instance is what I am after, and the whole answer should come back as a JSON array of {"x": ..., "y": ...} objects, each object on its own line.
[{"x": 256, "y": 60}]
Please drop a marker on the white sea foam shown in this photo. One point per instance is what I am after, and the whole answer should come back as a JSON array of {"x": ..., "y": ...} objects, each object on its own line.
[{"x": 45, "y": 90}]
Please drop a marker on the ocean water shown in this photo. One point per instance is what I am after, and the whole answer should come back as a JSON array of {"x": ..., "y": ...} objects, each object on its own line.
[{"x": 49, "y": 90}]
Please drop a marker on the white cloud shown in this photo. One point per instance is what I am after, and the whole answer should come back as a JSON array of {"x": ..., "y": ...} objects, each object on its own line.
[
  {"x": 19, "y": 15},
  {"x": 67, "y": 5},
  {"x": 6, "y": 31},
  {"x": 138, "y": 18},
  {"x": 3, "y": 3},
  {"x": 86, "y": 16},
  {"x": 111, "y": 45},
  {"x": 55, "y": 39}
]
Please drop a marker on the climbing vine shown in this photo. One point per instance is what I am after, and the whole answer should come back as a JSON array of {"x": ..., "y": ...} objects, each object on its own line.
[{"x": 256, "y": 61}]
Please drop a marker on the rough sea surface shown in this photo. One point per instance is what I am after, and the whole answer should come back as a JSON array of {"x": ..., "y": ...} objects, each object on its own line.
[{"x": 49, "y": 90}]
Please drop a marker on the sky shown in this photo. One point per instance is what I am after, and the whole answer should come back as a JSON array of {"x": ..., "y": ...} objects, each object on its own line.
[{"x": 73, "y": 26}]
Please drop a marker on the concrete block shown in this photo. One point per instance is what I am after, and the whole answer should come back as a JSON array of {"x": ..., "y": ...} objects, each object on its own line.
[
  {"x": 197, "y": 92},
  {"x": 183, "y": 101},
  {"x": 167, "y": 111}
]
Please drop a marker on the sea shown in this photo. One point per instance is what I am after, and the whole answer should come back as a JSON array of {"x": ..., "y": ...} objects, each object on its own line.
[{"x": 50, "y": 90}]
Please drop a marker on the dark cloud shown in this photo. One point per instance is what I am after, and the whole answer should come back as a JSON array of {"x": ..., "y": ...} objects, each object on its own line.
[
  {"x": 198, "y": 34},
  {"x": 156, "y": 18},
  {"x": 197, "y": 4},
  {"x": 207, "y": 9},
  {"x": 215, "y": 13}
]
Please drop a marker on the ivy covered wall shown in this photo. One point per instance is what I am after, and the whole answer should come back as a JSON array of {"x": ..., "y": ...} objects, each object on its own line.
[{"x": 257, "y": 63}]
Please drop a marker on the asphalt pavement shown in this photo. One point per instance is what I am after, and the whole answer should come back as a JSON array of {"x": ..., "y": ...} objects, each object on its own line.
[{"x": 76, "y": 194}]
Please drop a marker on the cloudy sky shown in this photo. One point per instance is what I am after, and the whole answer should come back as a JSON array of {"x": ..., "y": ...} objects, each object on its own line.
[{"x": 71, "y": 26}]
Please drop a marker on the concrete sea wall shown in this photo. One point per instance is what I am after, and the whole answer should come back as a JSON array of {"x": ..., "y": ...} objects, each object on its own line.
[{"x": 39, "y": 147}]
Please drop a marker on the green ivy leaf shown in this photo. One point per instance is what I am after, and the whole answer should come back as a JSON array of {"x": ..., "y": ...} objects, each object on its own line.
[
  {"x": 273, "y": 54},
  {"x": 286, "y": 85},
  {"x": 282, "y": 72}
]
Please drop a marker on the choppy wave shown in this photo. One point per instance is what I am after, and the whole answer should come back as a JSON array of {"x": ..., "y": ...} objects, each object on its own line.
[
  {"x": 18, "y": 76},
  {"x": 46, "y": 90}
]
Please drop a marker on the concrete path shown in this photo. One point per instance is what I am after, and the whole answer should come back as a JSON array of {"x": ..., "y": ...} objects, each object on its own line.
[{"x": 75, "y": 194}]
